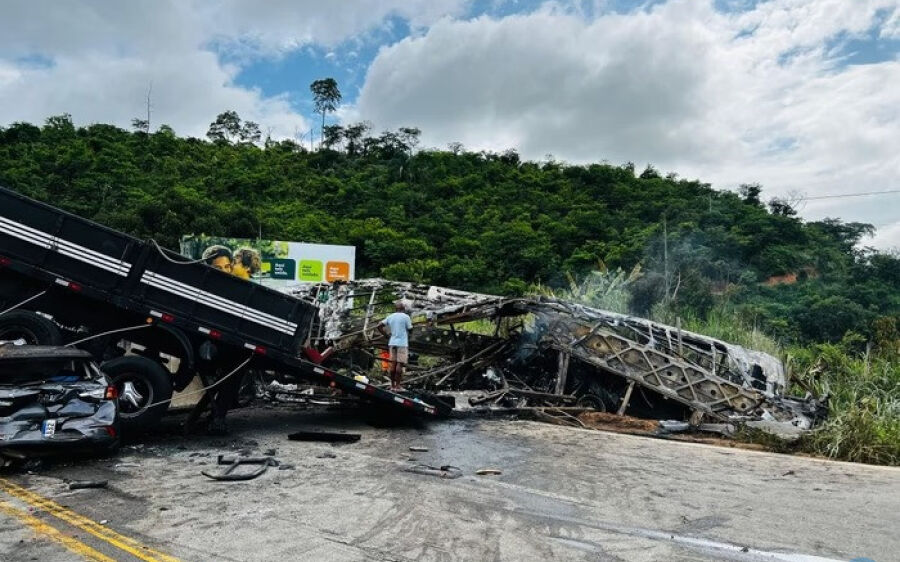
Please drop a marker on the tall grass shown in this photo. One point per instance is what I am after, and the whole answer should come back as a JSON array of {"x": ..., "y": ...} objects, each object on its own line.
[
  {"x": 723, "y": 323},
  {"x": 601, "y": 288},
  {"x": 863, "y": 422}
]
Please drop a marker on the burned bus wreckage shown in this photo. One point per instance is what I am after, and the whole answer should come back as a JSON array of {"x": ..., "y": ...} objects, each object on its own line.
[{"x": 544, "y": 352}]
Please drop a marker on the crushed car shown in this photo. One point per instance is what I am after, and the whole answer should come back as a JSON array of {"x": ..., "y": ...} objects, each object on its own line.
[
  {"x": 53, "y": 400},
  {"x": 546, "y": 352}
]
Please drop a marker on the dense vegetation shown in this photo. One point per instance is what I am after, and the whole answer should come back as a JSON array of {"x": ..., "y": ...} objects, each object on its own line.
[{"x": 490, "y": 222}]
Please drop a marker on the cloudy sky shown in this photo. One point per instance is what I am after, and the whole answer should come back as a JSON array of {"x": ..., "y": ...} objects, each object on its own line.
[{"x": 802, "y": 96}]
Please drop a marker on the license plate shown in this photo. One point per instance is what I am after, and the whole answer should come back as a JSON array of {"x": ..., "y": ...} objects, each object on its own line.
[{"x": 48, "y": 428}]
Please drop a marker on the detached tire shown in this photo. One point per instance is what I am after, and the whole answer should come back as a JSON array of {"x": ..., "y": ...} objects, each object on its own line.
[
  {"x": 29, "y": 326},
  {"x": 592, "y": 401},
  {"x": 140, "y": 382}
]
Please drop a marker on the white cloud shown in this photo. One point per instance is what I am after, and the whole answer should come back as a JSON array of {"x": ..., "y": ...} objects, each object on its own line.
[
  {"x": 98, "y": 58},
  {"x": 891, "y": 27},
  {"x": 284, "y": 25},
  {"x": 887, "y": 237},
  {"x": 757, "y": 95}
]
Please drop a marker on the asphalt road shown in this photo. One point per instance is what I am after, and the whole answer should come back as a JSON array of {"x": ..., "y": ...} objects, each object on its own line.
[{"x": 563, "y": 494}]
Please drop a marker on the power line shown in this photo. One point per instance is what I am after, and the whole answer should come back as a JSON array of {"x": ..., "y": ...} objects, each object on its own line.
[{"x": 852, "y": 194}]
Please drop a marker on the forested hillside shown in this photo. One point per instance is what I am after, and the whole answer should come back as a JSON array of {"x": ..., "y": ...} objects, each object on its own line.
[{"x": 478, "y": 221}]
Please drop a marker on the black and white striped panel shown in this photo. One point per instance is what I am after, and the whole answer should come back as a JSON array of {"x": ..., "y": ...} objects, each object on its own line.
[
  {"x": 64, "y": 247},
  {"x": 219, "y": 303}
]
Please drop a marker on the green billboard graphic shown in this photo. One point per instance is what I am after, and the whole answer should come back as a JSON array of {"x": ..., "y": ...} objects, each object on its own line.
[{"x": 273, "y": 262}]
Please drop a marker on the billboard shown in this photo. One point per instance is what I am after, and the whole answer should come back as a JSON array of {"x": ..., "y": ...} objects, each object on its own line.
[{"x": 273, "y": 262}]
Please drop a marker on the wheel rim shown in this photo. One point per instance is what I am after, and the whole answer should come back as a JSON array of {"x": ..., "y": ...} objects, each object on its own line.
[
  {"x": 14, "y": 333},
  {"x": 592, "y": 401},
  {"x": 135, "y": 394}
]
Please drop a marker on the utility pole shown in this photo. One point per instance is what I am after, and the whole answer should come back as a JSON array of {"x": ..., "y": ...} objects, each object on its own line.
[
  {"x": 666, "y": 254},
  {"x": 149, "y": 92}
]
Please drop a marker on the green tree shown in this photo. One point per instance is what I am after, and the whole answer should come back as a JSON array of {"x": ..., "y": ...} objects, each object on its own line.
[
  {"x": 354, "y": 135},
  {"x": 326, "y": 97},
  {"x": 225, "y": 128},
  {"x": 332, "y": 136},
  {"x": 228, "y": 128},
  {"x": 750, "y": 193}
]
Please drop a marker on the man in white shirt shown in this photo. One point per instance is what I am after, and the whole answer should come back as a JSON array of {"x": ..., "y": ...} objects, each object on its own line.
[{"x": 398, "y": 326}]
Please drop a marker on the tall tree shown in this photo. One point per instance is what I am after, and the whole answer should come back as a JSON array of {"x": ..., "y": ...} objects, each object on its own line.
[
  {"x": 326, "y": 96},
  {"x": 226, "y": 127},
  {"x": 354, "y": 134},
  {"x": 332, "y": 135}
]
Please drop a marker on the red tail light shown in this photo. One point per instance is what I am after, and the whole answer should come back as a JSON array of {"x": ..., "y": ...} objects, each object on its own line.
[
  {"x": 167, "y": 318},
  {"x": 258, "y": 349},
  {"x": 4, "y": 261},
  {"x": 111, "y": 394},
  {"x": 110, "y": 430}
]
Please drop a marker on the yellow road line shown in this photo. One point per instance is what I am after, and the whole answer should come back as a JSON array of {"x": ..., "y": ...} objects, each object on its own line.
[
  {"x": 45, "y": 530},
  {"x": 104, "y": 533}
]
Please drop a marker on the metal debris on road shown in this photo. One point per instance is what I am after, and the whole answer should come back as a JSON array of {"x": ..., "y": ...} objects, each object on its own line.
[
  {"x": 446, "y": 471},
  {"x": 488, "y": 472},
  {"x": 229, "y": 474},
  {"x": 419, "y": 449},
  {"x": 325, "y": 436},
  {"x": 83, "y": 484}
]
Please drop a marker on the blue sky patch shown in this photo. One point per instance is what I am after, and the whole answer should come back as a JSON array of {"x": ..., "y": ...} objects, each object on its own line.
[
  {"x": 35, "y": 62},
  {"x": 868, "y": 49},
  {"x": 293, "y": 72}
]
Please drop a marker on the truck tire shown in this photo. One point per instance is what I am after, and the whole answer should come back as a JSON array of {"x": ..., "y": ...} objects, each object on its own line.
[
  {"x": 30, "y": 326},
  {"x": 140, "y": 382}
]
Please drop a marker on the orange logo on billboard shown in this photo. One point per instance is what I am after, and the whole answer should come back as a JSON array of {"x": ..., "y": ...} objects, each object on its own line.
[{"x": 337, "y": 271}]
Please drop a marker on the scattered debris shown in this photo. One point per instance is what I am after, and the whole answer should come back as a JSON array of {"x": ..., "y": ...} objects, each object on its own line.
[
  {"x": 229, "y": 475},
  {"x": 548, "y": 353},
  {"x": 325, "y": 436},
  {"x": 445, "y": 471},
  {"x": 83, "y": 484},
  {"x": 614, "y": 422},
  {"x": 673, "y": 426},
  {"x": 326, "y": 455},
  {"x": 419, "y": 449},
  {"x": 488, "y": 472}
]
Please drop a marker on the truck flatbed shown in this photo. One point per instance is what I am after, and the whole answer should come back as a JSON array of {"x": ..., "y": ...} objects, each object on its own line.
[{"x": 87, "y": 275}]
